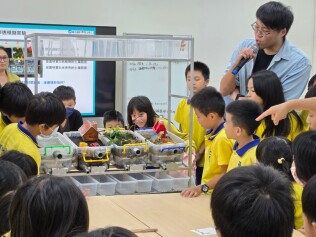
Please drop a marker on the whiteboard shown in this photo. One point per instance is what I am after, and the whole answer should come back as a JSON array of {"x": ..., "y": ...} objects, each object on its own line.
[{"x": 150, "y": 78}]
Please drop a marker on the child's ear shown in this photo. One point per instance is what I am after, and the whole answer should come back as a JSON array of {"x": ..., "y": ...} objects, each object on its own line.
[
  {"x": 42, "y": 126},
  {"x": 314, "y": 225},
  {"x": 238, "y": 131},
  {"x": 211, "y": 116}
]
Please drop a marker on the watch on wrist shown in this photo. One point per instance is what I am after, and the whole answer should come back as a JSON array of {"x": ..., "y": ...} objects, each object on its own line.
[{"x": 204, "y": 188}]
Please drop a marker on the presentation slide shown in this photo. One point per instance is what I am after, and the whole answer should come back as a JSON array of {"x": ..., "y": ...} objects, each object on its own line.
[{"x": 81, "y": 75}]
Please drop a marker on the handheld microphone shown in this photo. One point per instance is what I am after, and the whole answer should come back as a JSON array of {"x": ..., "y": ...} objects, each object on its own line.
[{"x": 243, "y": 61}]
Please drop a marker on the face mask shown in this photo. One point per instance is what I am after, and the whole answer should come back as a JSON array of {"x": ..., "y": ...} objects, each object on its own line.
[
  {"x": 53, "y": 134},
  {"x": 69, "y": 112}
]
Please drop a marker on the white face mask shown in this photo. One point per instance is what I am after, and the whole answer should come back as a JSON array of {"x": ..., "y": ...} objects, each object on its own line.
[{"x": 53, "y": 134}]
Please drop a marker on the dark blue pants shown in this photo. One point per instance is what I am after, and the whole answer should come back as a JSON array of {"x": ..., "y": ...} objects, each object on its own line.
[{"x": 198, "y": 175}]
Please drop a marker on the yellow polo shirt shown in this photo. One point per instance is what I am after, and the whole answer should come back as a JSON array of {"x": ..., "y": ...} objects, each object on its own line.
[
  {"x": 16, "y": 137},
  {"x": 218, "y": 150},
  {"x": 244, "y": 156},
  {"x": 182, "y": 116}
]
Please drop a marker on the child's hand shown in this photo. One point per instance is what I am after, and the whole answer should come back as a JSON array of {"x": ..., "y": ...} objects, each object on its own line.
[{"x": 191, "y": 192}]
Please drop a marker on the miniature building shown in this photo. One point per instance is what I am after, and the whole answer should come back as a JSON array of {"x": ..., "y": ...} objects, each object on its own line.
[{"x": 89, "y": 131}]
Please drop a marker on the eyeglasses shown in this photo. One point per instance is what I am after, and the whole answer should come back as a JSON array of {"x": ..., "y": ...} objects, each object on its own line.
[
  {"x": 4, "y": 59},
  {"x": 255, "y": 28}
]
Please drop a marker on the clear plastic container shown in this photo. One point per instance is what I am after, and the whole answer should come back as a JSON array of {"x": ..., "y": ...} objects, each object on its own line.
[
  {"x": 161, "y": 181},
  {"x": 55, "y": 152},
  {"x": 106, "y": 185},
  {"x": 130, "y": 154},
  {"x": 164, "y": 153},
  {"x": 180, "y": 181},
  {"x": 144, "y": 183},
  {"x": 87, "y": 184},
  {"x": 125, "y": 183},
  {"x": 89, "y": 155}
]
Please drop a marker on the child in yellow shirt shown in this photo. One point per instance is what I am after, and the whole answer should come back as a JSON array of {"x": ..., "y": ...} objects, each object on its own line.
[
  {"x": 201, "y": 79},
  {"x": 14, "y": 98},
  {"x": 209, "y": 107},
  {"x": 265, "y": 88},
  {"x": 276, "y": 152},
  {"x": 240, "y": 126},
  {"x": 141, "y": 114},
  {"x": 45, "y": 112}
]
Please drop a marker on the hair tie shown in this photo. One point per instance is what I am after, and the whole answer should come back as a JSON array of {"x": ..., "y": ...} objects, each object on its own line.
[{"x": 280, "y": 161}]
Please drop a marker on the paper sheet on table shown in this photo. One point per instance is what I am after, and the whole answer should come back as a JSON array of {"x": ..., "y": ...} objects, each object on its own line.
[{"x": 205, "y": 231}]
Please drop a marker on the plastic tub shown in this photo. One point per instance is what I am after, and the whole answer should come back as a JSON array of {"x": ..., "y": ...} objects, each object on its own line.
[
  {"x": 125, "y": 183},
  {"x": 161, "y": 181},
  {"x": 55, "y": 152},
  {"x": 131, "y": 153},
  {"x": 180, "y": 181},
  {"x": 106, "y": 185},
  {"x": 87, "y": 184},
  {"x": 144, "y": 183},
  {"x": 164, "y": 153},
  {"x": 88, "y": 156}
]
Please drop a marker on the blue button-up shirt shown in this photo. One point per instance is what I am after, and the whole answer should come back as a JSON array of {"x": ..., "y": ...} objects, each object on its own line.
[{"x": 290, "y": 64}]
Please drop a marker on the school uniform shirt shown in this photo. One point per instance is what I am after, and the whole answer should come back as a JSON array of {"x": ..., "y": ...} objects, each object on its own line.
[
  {"x": 16, "y": 137},
  {"x": 4, "y": 121},
  {"x": 7, "y": 234},
  {"x": 218, "y": 150},
  {"x": 303, "y": 115},
  {"x": 297, "y": 197},
  {"x": 182, "y": 116},
  {"x": 294, "y": 131},
  {"x": 244, "y": 156}
]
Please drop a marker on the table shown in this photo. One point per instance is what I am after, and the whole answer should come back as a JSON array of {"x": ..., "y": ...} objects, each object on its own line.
[
  {"x": 103, "y": 212},
  {"x": 170, "y": 213}
]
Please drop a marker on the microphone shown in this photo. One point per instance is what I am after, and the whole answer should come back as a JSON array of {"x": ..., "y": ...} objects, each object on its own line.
[{"x": 243, "y": 61}]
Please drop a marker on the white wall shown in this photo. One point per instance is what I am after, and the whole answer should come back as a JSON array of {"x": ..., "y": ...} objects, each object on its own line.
[{"x": 217, "y": 26}]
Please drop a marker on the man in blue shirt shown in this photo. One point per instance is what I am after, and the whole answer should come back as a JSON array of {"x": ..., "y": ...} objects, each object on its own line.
[{"x": 275, "y": 53}]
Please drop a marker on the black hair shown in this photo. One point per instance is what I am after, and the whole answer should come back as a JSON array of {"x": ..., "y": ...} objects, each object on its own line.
[
  {"x": 276, "y": 152},
  {"x": 304, "y": 154},
  {"x": 5, "y": 201},
  {"x": 142, "y": 104},
  {"x": 267, "y": 85},
  {"x": 311, "y": 92},
  {"x": 49, "y": 206},
  {"x": 209, "y": 100},
  {"x": 253, "y": 201},
  {"x": 200, "y": 67},
  {"x": 14, "y": 98},
  {"x": 275, "y": 15},
  {"x": 65, "y": 93},
  {"x": 11, "y": 177},
  {"x": 24, "y": 161},
  {"x": 113, "y": 231},
  {"x": 244, "y": 114},
  {"x": 112, "y": 115},
  {"x": 311, "y": 82},
  {"x": 8, "y": 51},
  {"x": 309, "y": 199},
  {"x": 45, "y": 108}
]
